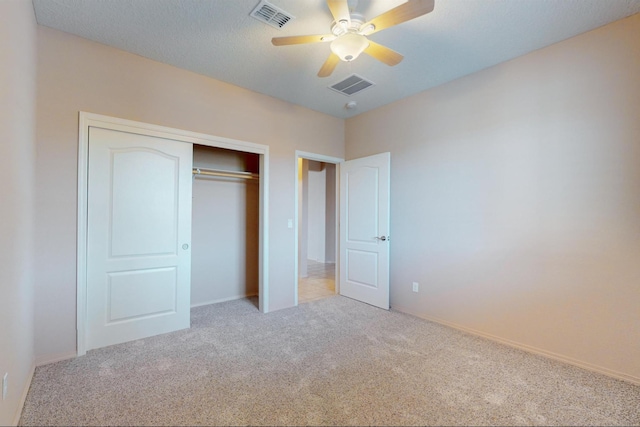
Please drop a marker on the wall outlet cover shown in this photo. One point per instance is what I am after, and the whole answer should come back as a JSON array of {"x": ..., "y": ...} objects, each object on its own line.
[{"x": 416, "y": 286}]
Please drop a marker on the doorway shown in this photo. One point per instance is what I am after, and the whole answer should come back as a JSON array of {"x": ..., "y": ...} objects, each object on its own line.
[{"x": 316, "y": 227}]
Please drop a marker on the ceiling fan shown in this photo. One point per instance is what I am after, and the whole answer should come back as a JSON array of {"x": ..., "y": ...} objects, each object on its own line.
[{"x": 349, "y": 33}]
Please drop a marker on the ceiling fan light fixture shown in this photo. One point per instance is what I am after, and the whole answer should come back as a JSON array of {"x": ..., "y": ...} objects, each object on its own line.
[
  {"x": 349, "y": 46},
  {"x": 349, "y": 31}
]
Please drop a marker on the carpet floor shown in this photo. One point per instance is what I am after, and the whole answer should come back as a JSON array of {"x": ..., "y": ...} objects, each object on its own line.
[{"x": 329, "y": 362}]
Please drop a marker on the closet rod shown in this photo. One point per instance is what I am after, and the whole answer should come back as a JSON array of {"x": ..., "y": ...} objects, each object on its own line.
[{"x": 227, "y": 174}]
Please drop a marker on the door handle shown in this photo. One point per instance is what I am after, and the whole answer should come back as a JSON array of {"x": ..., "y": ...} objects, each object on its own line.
[{"x": 383, "y": 238}]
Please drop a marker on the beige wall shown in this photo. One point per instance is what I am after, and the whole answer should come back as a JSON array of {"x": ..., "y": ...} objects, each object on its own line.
[
  {"x": 330, "y": 214},
  {"x": 303, "y": 217},
  {"x": 321, "y": 215},
  {"x": 78, "y": 75},
  {"x": 17, "y": 136},
  {"x": 316, "y": 219},
  {"x": 516, "y": 199}
]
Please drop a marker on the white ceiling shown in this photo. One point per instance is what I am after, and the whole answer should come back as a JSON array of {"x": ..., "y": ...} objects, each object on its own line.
[{"x": 219, "y": 39}]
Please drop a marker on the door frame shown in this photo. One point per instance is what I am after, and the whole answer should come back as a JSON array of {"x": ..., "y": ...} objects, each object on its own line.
[
  {"x": 325, "y": 159},
  {"x": 87, "y": 120}
]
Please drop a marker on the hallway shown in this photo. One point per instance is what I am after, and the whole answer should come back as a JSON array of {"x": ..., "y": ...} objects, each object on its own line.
[{"x": 320, "y": 282}]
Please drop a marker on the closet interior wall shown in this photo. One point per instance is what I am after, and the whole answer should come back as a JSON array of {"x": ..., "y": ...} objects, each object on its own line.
[{"x": 224, "y": 258}]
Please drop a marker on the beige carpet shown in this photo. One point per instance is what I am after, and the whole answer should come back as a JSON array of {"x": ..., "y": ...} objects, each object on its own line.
[{"x": 328, "y": 362}]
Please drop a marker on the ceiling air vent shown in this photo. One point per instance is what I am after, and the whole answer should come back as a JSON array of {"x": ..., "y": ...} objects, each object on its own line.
[
  {"x": 270, "y": 14},
  {"x": 351, "y": 85}
]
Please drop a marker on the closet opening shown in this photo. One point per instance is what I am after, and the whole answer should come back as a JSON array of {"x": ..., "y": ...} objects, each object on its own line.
[
  {"x": 225, "y": 225},
  {"x": 317, "y": 230}
]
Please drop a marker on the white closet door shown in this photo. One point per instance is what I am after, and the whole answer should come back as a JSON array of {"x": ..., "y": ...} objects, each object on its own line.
[{"x": 139, "y": 237}]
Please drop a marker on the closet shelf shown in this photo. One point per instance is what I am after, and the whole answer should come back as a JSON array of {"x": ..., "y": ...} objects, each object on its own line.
[{"x": 227, "y": 174}]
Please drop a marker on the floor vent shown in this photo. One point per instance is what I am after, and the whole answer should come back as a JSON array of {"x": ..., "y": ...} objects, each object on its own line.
[
  {"x": 351, "y": 85},
  {"x": 271, "y": 15}
]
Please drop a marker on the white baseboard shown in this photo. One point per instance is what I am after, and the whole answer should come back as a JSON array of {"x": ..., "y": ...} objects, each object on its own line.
[
  {"x": 53, "y": 358},
  {"x": 528, "y": 348},
  {"x": 216, "y": 301},
  {"x": 23, "y": 397}
]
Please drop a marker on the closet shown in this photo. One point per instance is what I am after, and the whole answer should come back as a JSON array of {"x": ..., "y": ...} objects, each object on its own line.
[
  {"x": 167, "y": 219},
  {"x": 225, "y": 225}
]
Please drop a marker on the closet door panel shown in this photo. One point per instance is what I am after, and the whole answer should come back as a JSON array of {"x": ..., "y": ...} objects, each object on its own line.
[
  {"x": 139, "y": 236},
  {"x": 144, "y": 215}
]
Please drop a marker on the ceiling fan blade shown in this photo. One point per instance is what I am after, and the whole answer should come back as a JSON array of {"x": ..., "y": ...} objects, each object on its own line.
[
  {"x": 383, "y": 54},
  {"x": 340, "y": 10},
  {"x": 329, "y": 65},
  {"x": 283, "y": 41},
  {"x": 405, "y": 12}
]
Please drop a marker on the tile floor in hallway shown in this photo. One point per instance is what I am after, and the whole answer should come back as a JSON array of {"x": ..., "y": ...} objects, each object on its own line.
[{"x": 319, "y": 283}]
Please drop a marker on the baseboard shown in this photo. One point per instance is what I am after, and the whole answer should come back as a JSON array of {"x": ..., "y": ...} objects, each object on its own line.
[
  {"x": 23, "y": 397},
  {"x": 571, "y": 361},
  {"x": 53, "y": 358},
  {"x": 216, "y": 301}
]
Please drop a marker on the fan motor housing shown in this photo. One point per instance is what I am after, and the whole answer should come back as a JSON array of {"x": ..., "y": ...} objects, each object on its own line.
[{"x": 339, "y": 28}]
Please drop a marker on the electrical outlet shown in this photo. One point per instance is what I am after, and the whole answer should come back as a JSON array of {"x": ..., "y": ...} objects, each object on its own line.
[
  {"x": 5, "y": 385},
  {"x": 416, "y": 286}
]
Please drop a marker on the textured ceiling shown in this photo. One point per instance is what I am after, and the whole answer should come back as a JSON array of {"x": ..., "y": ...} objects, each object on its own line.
[{"x": 219, "y": 39}]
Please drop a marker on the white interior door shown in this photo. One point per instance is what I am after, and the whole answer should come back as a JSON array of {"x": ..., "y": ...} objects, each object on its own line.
[
  {"x": 139, "y": 236},
  {"x": 364, "y": 229}
]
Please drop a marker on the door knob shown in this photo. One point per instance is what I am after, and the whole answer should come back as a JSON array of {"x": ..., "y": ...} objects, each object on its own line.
[{"x": 383, "y": 238}]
